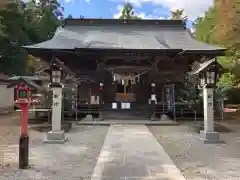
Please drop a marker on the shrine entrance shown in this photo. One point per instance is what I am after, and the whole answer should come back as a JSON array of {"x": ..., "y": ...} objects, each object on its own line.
[
  {"x": 124, "y": 96},
  {"x": 127, "y": 81}
]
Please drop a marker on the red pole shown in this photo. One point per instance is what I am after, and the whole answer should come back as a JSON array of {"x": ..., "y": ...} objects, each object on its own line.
[
  {"x": 24, "y": 140},
  {"x": 24, "y": 127}
]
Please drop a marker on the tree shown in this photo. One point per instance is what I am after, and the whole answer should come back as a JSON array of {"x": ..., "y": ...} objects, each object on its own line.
[
  {"x": 22, "y": 24},
  {"x": 127, "y": 12},
  {"x": 12, "y": 55},
  {"x": 178, "y": 15},
  {"x": 220, "y": 26},
  {"x": 205, "y": 26},
  {"x": 191, "y": 94},
  {"x": 227, "y": 32},
  {"x": 47, "y": 17}
]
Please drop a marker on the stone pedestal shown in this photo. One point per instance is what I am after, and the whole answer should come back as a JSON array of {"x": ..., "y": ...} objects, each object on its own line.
[
  {"x": 56, "y": 135},
  {"x": 164, "y": 117},
  {"x": 89, "y": 117},
  {"x": 53, "y": 137},
  {"x": 208, "y": 135}
]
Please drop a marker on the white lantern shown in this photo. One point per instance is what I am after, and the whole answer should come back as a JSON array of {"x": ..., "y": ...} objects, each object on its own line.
[
  {"x": 56, "y": 76},
  {"x": 210, "y": 77}
]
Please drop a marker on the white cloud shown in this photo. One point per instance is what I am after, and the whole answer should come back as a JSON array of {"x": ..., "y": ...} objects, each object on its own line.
[
  {"x": 118, "y": 14},
  {"x": 139, "y": 14},
  {"x": 148, "y": 16},
  {"x": 87, "y": 1},
  {"x": 192, "y": 8}
]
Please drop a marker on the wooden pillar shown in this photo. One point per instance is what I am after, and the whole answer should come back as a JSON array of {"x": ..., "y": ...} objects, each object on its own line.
[
  {"x": 153, "y": 98},
  {"x": 100, "y": 73}
]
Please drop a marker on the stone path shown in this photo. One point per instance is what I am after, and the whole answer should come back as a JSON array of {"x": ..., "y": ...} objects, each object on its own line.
[{"x": 130, "y": 152}]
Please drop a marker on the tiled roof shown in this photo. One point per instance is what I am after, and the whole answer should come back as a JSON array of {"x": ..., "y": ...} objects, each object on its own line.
[{"x": 115, "y": 34}]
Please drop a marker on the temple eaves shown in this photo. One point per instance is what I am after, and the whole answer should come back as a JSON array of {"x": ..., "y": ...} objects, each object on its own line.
[{"x": 112, "y": 34}]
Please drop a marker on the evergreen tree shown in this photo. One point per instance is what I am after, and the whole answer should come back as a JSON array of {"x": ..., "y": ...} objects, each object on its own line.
[
  {"x": 178, "y": 15},
  {"x": 24, "y": 23},
  {"x": 127, "y": 12}
]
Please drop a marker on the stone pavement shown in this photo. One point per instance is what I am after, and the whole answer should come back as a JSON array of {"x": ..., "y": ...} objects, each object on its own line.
[
  {"x": 74, "y": 160},
  {"x": 199, "y": 161},
  {"x": 130, "y": 152}
]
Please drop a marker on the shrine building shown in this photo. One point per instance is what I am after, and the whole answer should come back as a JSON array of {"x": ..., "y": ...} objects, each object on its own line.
[{"x": 119, "y": 65}]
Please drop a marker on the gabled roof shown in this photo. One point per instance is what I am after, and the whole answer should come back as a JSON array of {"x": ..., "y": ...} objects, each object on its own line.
[
  {"x": 31, "y": 84},
  {"x": 32, "y": 78},
  {"x": 124, "y": 34},
  {"x": 206, "y": 64}
]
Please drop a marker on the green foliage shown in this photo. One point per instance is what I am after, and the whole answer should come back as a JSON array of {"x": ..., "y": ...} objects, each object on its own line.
[
  {"x": 190, "y": 93},
  {"x": 220, "y": 26},
  {"x": 178, "y": 15},
  {"x": 226, "y": 81},
  {"x": 22, "y": 24},
  {"x": 205, "y": 26},
  {"x": 128, "y": 12},
  {"x": 224, "y": 86}
]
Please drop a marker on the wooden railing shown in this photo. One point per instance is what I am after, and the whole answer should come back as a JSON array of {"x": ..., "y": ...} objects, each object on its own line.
[
  {"x": 88, "y": 109},
  {"x": 181, "y": 110}
]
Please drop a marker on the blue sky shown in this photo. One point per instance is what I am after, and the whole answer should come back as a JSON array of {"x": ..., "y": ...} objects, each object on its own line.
[{"x": 148, "y": 9}]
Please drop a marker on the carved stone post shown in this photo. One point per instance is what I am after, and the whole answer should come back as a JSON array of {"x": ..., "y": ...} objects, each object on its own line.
[{"x": 209, "y": 135}]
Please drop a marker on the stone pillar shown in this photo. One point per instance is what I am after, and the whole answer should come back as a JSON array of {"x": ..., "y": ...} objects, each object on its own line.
[
  {"x": 56, "y": 135},
  {"x": 208, "y": 134},
  {"x": 208, "y": 109}
]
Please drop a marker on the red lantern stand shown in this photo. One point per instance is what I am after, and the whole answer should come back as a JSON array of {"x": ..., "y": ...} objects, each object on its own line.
[{"x": 24, "y": 101}]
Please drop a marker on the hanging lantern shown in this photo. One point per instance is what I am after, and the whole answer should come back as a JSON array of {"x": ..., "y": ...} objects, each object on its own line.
[
  {"x": 101, "y": 87},
  {"x": 153, "y": 85}
]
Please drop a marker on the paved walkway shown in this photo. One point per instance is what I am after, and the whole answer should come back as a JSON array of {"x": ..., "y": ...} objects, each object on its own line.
[{"x": 130, "y": 152}]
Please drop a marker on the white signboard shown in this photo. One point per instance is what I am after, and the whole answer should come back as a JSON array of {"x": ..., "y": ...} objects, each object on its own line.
[
  {"x": 114, "y": 105},
  {"x": 125, "y": 105}
]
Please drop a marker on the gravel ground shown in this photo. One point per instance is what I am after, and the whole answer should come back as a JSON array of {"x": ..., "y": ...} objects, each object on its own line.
[
  {"x": 199, "y": 161},
  {"x": 75, "y": 160}
]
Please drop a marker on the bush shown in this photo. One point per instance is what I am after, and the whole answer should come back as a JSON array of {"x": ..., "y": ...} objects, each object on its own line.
[{"x": 233, "y": 96}]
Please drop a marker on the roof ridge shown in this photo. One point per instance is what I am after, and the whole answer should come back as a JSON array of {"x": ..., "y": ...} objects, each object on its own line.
[{"x": 165, "y": 22}]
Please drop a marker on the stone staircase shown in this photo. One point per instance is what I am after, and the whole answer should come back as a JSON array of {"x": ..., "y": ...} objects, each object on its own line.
[{"x": 137, "y": 112}]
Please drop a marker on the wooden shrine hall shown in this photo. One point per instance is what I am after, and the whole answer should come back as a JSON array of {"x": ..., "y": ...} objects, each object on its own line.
[{"x": 122, "y": 66}]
